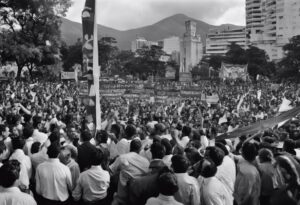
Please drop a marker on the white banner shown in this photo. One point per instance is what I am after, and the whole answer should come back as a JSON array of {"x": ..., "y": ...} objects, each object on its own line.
[{"x": 67, "y": 75}]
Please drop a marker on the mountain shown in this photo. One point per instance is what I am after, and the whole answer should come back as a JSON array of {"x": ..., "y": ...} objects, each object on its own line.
[{"x": 170, "y": 26}]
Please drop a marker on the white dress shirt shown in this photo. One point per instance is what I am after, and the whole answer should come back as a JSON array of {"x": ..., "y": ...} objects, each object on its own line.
[
  {"x": 27, "y": 146},
  {"x": 214, "y": 192},
  {"x": 53, "y": 180},
  {"x": 188, "y": 189},
  {"x": 39, "y": 136},
  {"x": 75, "y": 172},
  {"x": 92, "y": 184},
  {"x": 26, "y": 167},
  {"x": 13, "y": 196},
  {"x": 39, "y": 157},
  {"x": 162, "y": 200}
]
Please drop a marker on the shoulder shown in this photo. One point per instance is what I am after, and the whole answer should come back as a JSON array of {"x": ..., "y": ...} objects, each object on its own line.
[{"x": 152, "y": 200}]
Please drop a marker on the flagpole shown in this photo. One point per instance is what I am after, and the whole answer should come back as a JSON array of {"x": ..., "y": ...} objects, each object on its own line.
[{"x": 96, "y": 71}]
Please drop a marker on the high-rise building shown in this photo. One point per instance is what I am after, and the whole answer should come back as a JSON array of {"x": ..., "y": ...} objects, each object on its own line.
[
  {"x": 271, "y": 23},
  {"x": 217, "y": 41},
  {"x": 171, "y": 44},
  {"x": 141, "y": 42}
]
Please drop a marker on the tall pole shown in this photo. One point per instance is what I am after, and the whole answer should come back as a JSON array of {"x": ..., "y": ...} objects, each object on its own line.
[{"x": 96, "y": 71}]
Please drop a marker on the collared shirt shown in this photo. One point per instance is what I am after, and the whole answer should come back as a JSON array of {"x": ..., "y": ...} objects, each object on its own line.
[
  {"x": 75, "y": 172},
  {"x": 227, "y": 173},
  {"x": 123, "y": 146},
  {"x": 39, "y": 136},
  {"x": 188, "y": 189},
  {"x": 13, "y": 196},
  {"x": 92, "y": 184},
  {"x": 38, "y": 158},
  {"x": 53, "y": 180},
  {"x": 162, "y": 200},
  {"x": 27, "y": 146},
  {"x": 247, "y": 184},
  {"x": 167, "y": 160},
  {"x": 26, "y": 167},
  {"x": 132, "y": 164},
  {"x": 213, "y": 192}
]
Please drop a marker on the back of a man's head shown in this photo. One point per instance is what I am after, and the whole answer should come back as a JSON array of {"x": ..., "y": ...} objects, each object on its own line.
[
  {"x": 17, "y": 143},
  {"x": 167, "y": 183},
  {"x": 27, "y": 131},
  {"x": 208, "y": 168},
  {"x": 158, "y": 151},
  {"x": 9, "y": 173},
  {"x": 135, "y": 146},
  {"x": 96, "y": 157},
  {"x": 53, "y": 150},
  {"x": 130, "y": 131},
  {"x": 249, "y": 151},
  {"x": 86, "y": 136},
  {"x": 215, "y": 154},
  {"x": 36, "y": 121},
  {"x": 180, "y": 164}
]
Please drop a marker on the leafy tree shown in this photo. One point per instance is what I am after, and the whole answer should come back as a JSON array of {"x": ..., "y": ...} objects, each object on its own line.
[
  {"x": 290, "y": 64},
  {"x": 108, "y": 52},
  {"x": 215, "y": 61},
  {"x": 71, "y": 55},
  {"x": 32, "y": 30},
  {"x": 235, "y": 55},
  {"x": 257, "y": 60}
]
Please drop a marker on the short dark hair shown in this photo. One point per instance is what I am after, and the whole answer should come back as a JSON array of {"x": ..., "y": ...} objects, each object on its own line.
[
  {"x": 35, "y": 147},
  {"x": 180, "y": 163},
  {"x": 102, "y": 136},
  {"x": 27, "y": 131},
  {"x": 166, "y": 143},
  {"x": 193, "y": 155},
  {"x": 2, "y": 128},
  {"x": 209, "y": 169},
  {"x": 36, "y": 121},
  {"x": 54, "y": 136},
  {"x": 135, "y": 145},
  {"x": 222, "y": 147},
  {"x": 97, "y": 157},
  {"x": 54, "y": 149},
  {"x": 157, "y": 150},
  {"x": 249, "y": 151},
  {"x": 186, "y": 131},
  {"x": 17, "y": 143},
  {"x": 86, "y": 136},
  {"x": 9, "y": 173},
  {"x": 130, "y": 131},
  {"x": 167, "y": 183},
  {"x": 215, "y": 154}
]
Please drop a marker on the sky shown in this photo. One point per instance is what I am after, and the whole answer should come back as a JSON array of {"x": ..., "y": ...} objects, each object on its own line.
[{"x": 128, "y": 14}]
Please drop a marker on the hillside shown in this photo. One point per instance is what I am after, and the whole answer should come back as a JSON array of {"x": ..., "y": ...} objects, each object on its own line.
[{"x": 171, "y": 26}]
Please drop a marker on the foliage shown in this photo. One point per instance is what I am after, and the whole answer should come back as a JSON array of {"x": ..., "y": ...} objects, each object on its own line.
[
  {"x": 108, "y": 52},
  {"x": 32, "y": 30},
  {"x": 215, "y": 61},
  {"x": 71, "y": 55},
  {"x": 290, "y": 64},
  {"x": 235, "y": 55}
]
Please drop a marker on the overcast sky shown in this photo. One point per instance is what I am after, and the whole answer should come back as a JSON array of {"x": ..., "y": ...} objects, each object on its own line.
[{"x": 128, "y": 14}]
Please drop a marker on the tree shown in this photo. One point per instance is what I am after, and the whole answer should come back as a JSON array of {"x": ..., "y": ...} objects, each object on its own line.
[
  {"x": 108, "y": 52},
  {"x": 235, "y": 55},
  {"x": 71, "y": 55},
  {"x": 290, "y": 64},
  {"x": 257, "y": 60},
  {"x": 32, "y": 28},
  {"x": 215, "y": 62}
]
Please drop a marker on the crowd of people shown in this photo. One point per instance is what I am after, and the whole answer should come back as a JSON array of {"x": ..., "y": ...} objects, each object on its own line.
[{"x": 148, "y": 152}]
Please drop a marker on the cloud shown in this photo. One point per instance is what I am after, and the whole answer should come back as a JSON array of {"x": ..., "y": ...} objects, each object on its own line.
[{"x": 127, "y": 14}]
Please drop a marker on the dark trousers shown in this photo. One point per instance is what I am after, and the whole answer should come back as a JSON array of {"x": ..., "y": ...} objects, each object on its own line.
[{"x": 43, "y": 201}]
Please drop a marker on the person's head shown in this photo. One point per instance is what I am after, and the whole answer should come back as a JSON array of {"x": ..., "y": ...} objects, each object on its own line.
[
  {"x": 97, "y": 157},
  {"x": 54, "y": 150},
  {"x": 15, "y": 131},
  {"x": 289, "y": 169},
  {"x": 180, "y": 164},
  {"x": 215, "y": 154},
  {"x": 157, "y": 150},
  {"x": 222, "y": 147},
  {"x": 54, "y": 136},
  {"x": 167, "y": 183},
  {"x": 193, "y": 155},
  {"x": 85, "y": 136},
  {"x": 135, "y": 146},
  {"x": 17, "y": 143},
  {"x": 186, "y": 131},
  {"x": 249, "y": 151},
  {"x": 27, "y": 131},
  {"x": 130, "y": 131},
  {"x": 9, "y": 173},
  {"x": 4, "y": 131},
  {"x": 160, "y": 128},
  {"x": 35, "y": 147},
  {"x": 265, "y": 155},
  {"x": 65, "y": 156},
  {"x": 207, "y": 168},
  {"x": 289, "y": 146},
  {"x": 37, "y": 122},
  {"x": 102, "y": 137},
  {"x": 168, "y": 147}
]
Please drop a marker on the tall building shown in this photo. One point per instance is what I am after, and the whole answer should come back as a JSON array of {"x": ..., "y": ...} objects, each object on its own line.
[
  {"x": 171, "y": 44},
  {"x": 217, "y": 41},
  {"x": 141, "y": 42},
  {"x": 271, "y": 23},
  {"x": 191, "y": 48}
]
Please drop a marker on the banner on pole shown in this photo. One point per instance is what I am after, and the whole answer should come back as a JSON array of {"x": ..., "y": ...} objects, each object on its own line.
[{"x": 233, "y": 71}]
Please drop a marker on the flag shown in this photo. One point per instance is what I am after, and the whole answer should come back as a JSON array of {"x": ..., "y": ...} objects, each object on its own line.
[
  {"x": 262, "y": 125},
  {"x": 241, "y": 102},
  {"x": 285, "y": 105},
  {"x": 259, "y": 94},
  {"x": 91, "y": 68},
  {"x": 223, "y": 119}
]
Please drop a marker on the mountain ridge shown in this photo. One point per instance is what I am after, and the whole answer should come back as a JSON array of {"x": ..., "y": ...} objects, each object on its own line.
[{"x": 171, "y": 26}]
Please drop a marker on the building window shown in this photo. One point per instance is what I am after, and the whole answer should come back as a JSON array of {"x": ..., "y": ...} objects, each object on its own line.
[{"x": 280, "y": 17}]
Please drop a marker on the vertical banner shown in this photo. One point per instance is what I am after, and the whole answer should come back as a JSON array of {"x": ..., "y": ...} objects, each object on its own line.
[{"x": 91, "y": 68}]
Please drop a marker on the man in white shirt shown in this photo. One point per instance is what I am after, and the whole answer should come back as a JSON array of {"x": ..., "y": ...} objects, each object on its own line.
[
  {"x": 37, "y": 135},
  {"x": 3, "y": 152},
  {"x": 93, "y": 183},
  {"x": 27, "y": 134},
  {"x": 53, "y": 179},
  {"x": 26, "y": 167},
  {"x": 188, "y": 187},
  {"x": 10, "y": 193}
]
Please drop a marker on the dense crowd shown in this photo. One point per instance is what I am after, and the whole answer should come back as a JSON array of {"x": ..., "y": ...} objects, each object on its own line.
[{"x": 148, "y": 152}]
